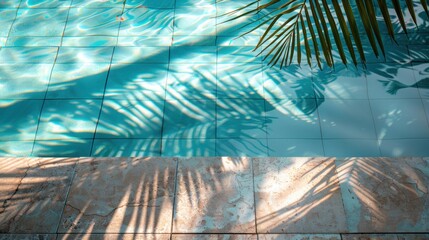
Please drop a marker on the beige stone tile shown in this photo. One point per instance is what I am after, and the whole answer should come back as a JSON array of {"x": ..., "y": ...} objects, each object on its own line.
[
  {"x": 214, "y": 237},
  {"x": 28, "y": 236},
  {"x": 413, "y": 236},
  {"x": 299, "y": 236},
  {"x": 107, "y": 236},
  {"x": 214, "y": 195},
  {"x": 385, "y": 195},
  {"x": 369, "y": 237},
  {"x": 33, "y": 192},
  {"x": 297, "y": 195},
  {"x": 121, "y": 195}
]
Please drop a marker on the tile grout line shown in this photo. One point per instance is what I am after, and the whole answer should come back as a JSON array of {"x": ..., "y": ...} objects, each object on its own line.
[
  {"x": 254, "y": 194},
  {"x": 174, "y": 196}
]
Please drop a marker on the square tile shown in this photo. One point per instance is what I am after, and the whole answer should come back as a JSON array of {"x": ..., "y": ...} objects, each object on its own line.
[
  {"x": 93, "y": 21},
  {"x": 85, "y": 55},
  {"x": 10, "y": 3},
  {"x": 236, "y": 118},
  {"x": 62, "y": 148},
  {"x": 68, "y": 119},
  {"x": 196, "y": 4},
  {"x": 385, "y": 195},
  {"x": 426, "y": 107},
  {"x": 299, "y": 195},
  {"x": 144, "y": 41},
  {"x": 238, "y": 26},
  {"x": 186, "y": 20},
  {"x": 189, "y": 119},
  {"x": 78, "y": 80},
  {"x": 285, "y": 119},
  {"x": 419, "y": 52},
  {"x": 400, "y": 118},
  {"x": 191, "y": 147},
  {"x": 237, "y": 54},
  {"x": 24, "y": 81},
  {"x": 339, "y": 119},
  {"x": 16, "y": 148},
  {"x": 193, "y": 54},
  {"x": 39, "y": 22},
  {"x": 126, "y": 147},
  {"x": 89, "y": 41},
  {"x": 404, "y": 147},
  {"x": 34, "y": 194},
  {"x": 246, "y": 40},
  {"x": 147, "y": 22},
  {"x": 19, "y": 119},
  {"x": 351, "y": 147},
  {"x": 295, "y": 147},
  {"x": 137, "y": 81},
  {"x": 191, "y": 81},
  {"x": 421, "y": 74},
  {"x": 149, "y": 4},
  {"x": 299, "y": 236},
  {"x": 14, "y": 55},
  {"x": 250, "y": 147},
  {"x": 33, "y": 42},
  {"x": 240, "y": 81},
  {"x": 121, "y": 195},
  {"x": 130, "y": 119},
  {"x": 141, "y": 55},
  {"x": 8, "y": 16},
  {"x": 194, "y": 40},
  {"x": 97, "y": 3},
  {"x": 45, "y": 3},
  {"x": 214, "y": 195},
  {"x": 391, "y": 81}
]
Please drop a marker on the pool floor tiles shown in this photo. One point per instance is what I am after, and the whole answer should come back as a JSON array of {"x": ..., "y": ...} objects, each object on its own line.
[{"x": 325, "y": 197}]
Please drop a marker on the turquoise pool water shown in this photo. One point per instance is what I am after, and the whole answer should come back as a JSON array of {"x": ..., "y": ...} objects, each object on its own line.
[{"x": 151, "y": 78}]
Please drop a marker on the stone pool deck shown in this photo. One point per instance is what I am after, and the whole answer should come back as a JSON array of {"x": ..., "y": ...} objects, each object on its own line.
[{"x": 214, "y": 198}]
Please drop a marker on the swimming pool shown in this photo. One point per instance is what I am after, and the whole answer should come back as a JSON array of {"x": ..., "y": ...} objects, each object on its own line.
[{"x": 167, "y": 78}]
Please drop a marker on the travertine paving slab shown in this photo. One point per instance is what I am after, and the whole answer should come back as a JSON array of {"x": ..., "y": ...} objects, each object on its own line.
[
  {"x": 298, "y": 195},
  {"x": 107, "y": 236},
  {"x": 214, "y": 195},
  {"x": 299, "y": 236},
  {"x": 369, "y": 237},
  {"x": 33, "y": 192},
  {"x": 214, "y": 237},
  {"x": 413, "y": 236},
  {"x": 120, "y": 195},
  {"x": 28, "y": 236},
  {"x": 385, "y": 195}
]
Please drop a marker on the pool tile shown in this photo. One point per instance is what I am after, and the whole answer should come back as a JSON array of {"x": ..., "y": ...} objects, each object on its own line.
[
  {"x": 247, "y": 40},
  {"x": 404, "y": 147},
  {"x": 16, "y": 55},
  {"x": 237, "y": 54},
  {"x": 140, "y": 41},
  {"x": 189, "y": 119},
  {"x": 150, "y": 4},
  {"x": 295, "y": 147},
  {"x": 89, "y": 41},
  {"x": 191, "y": 81},
  {"x": 385, "y": 195},
  {"x": 298, "y": 195},
  {"x": 300, "y": 123},
  {"x": 419, "y": 52},
  {"x": 214, "y": 236},
  {"x": 15, "y": 148},
  {"x": 240, "y": 81},
  {"x": 339, "y": 119},
  {"x": 141, "y": 55},
  {"x": 78, "y": 80},
  {"x": 391, "y": 80},
  {"x": 35, "y": 193},
  {"x": 238, "y": 26},
  {"x": 191, "y": 147},
  {"x": 93, "y": 22},
  {"x": 196, "y": 4},
  {"x": 351, "y": 147},
  {"x": 400, "y": 118},
  {"x": 136, "y": 196},
  {"x": 39, "y": 22},
  {"x": 68, "y": 119},
  {"x": 24, "y": 81},
  {"x": 84, "y": 55},
  {"x": 296, "y": 82},
  {"x": 62, "y": 148},
  {"x": 214, "y": 196},
  {"x": 10, "y": 3},
  {"x": 421, "y": 74},
  {"x": 194, "y": 40},
  {"x": 130, "y": 119},
  {"x": 147, "y": 22},
  {"x": 426, "y": 107},
  {"x": 19, "y": 119},
  {"x": 33, "y": 41},
  {"x": 193, "y": 54},
  {"x": 45, "y": 3},
  {"x": 236, "y": 118},
  {"x": 137, "y": 81},
  {"x": 186, "y": 20},
  {"x": 126, "y": 148},
  {"x": 8, "y": 16},
  {"x": 299, "y": 236},
  {"x": 97, "y": 3},
  {"x": 250, "y": 147}
]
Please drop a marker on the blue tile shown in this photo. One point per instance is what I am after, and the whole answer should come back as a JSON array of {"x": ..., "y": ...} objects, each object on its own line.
[
  {"x": 419, "y": 53},
  {"x": 237, "y": 54},
  {"x": 339, "y": 119},
  {"x": 141, "y": 55},
  {"x": 351, "y": 148},
  {"x": 62, "y": 148},
  {"x": 28, "y": 54},
  {"x": 421, "y": 75},
  {"x": 295, "y": 147},
  {"x": 130, "y": 119},
  {"x": 8, "y": 16},
  {"x": 285, "y": 119},
  {"x": 197, "y": 147},
  {"x": 197, "y": 4},
  {"x": 98, "y": 3},
  {"x": 93, "y": 22},
  {"x": 15, "y": 148},
  {"x": 149, "y": 4},
  {"x": 426, "y": 107},
  {"x": 126, "y": 148},
  {"x": 195, "y": 21},
  {"x": 89, "y": 41},
  {"x": 400, "y": 118},
  {"x": 193, "y": 54},
  {"x": 85, "y": 55},
  {"x": 68, "y": 120},
  {"x": 189, "y": 119},
  {"x": 34, "y": 41},
  {"x": 137, "y": 81},
  {"x": 405, "y": 147},
  {"x": 10, "y": 3},
  {"x": 78, "y": 80},
  {"x": 147, "y": 22},
  {"x": 194, "y": 40},
  {"x": 246, "y": 40},
  {"x": 39, "y": 22},
  {"x": 242, "y": 147},
  {"x": 240, "y": 81},
  {"x": 24, "y": 81},
  {"x": 45, "y": 3},
  {"x": 238, "y": 118},
  {"x": 19, "y": 119},
  {"x": 144, "y": 41}
]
